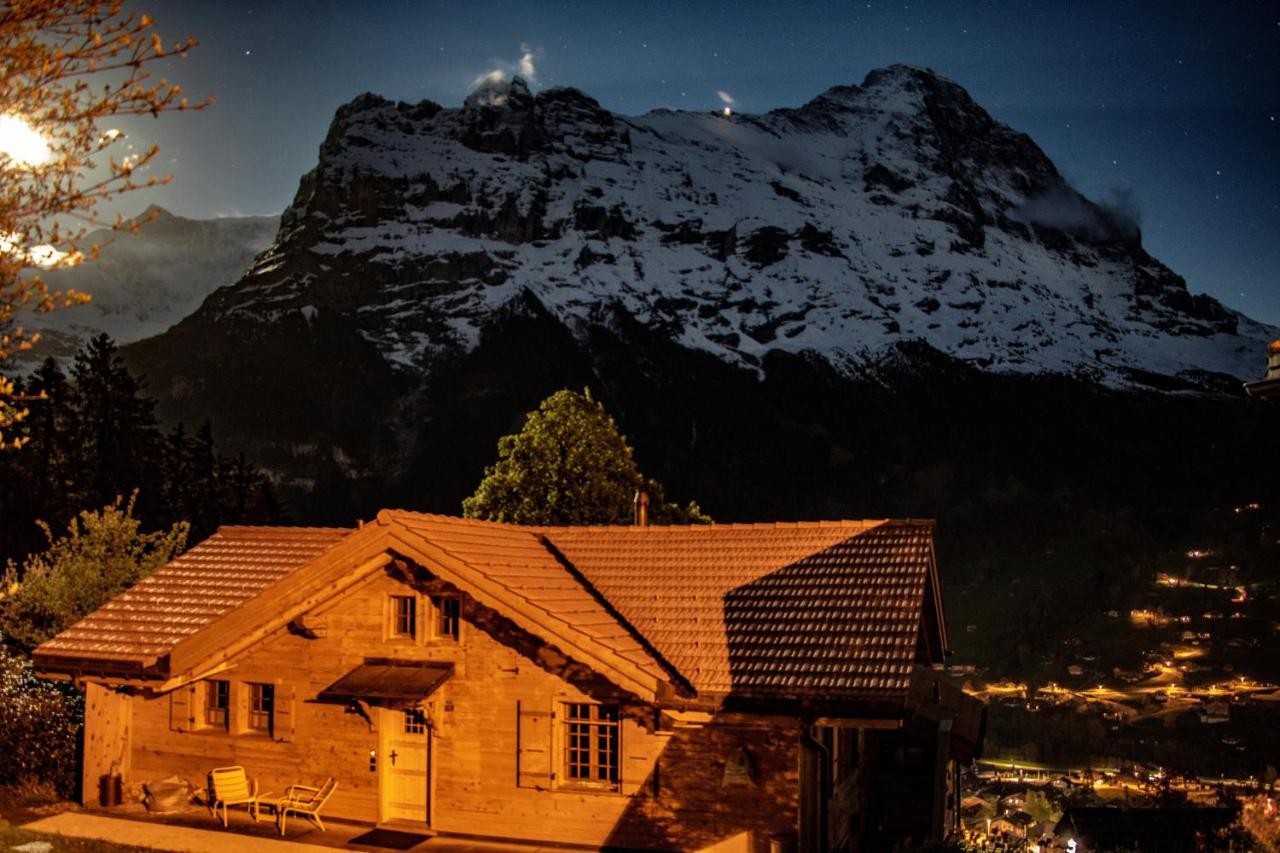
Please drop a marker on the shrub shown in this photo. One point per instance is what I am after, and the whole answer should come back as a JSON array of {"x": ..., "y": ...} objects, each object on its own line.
[{"x": 40, "y": 727}]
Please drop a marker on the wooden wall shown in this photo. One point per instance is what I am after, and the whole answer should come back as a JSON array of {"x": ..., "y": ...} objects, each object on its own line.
[
  {"x": 675, "y": 793},
  {"x": 108, "y": 722}
]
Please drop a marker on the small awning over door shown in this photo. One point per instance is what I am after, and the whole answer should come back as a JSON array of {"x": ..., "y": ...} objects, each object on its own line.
[{"x": 392, "y": 683}]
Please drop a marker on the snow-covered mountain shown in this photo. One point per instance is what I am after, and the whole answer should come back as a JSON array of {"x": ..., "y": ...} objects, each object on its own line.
[
  {"x": 852, "y": 307},
  {"x": 146, "y": 281},
  {"x": 892, "y": 211}
]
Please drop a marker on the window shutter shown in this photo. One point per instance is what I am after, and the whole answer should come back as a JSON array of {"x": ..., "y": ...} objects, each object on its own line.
[
  {"x": 631, "y": 771},
  {"x": 282, "y": 720},
  {"x": 533, "y": 746},
  {"x": 182, "y": 708}
]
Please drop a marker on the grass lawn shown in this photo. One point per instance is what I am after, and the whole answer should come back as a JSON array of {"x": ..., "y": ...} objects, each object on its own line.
[{"x": 12, "y": 836}]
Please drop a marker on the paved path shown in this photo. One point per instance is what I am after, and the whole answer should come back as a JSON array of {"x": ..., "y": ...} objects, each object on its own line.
[{"x": 162, "y": 837}]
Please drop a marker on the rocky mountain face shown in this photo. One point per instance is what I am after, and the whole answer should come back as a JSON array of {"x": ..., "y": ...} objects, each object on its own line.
[
  {"x": 847, "y": 308},
  {"x": 144, "y": 282}
]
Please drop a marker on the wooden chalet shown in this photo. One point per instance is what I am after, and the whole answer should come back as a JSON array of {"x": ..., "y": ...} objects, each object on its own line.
[{"x": 719, "y": 687}]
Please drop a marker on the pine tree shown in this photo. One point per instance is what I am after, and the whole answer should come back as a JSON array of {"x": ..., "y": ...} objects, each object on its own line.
[
  {"x": 38, "y": 483},
  {"x": 114, "y": 434},
  {"x": 568, "y": 465},
  {"x": 93, "y": 436}
]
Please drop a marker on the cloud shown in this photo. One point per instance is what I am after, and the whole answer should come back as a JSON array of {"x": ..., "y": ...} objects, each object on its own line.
[
  {"x": 527, "y": 71},
  {"x": 725, "y": 96},
  {"x": 503, "y": 69},
  {"x": 1114, "y": 217},
  {"x": 488, "y": 78}
]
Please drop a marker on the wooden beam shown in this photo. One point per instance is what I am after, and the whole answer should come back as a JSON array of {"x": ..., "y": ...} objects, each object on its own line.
[{"x": 857, "y": 723}]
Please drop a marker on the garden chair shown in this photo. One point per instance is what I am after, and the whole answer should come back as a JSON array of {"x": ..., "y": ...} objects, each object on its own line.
[
  {"x": 230, "y": 786},
  {"x": 306, "y": 801}
]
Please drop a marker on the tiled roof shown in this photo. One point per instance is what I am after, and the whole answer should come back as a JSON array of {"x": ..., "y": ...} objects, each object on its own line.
[
  {"x": 768, "y": 610},
  {"x": 823, "y": 609},
  {"x": 782, "y": 610},
  {"x": 211, "y": 579}
]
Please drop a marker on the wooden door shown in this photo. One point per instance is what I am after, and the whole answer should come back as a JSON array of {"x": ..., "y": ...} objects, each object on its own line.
[{"x": 405, "y": 766}]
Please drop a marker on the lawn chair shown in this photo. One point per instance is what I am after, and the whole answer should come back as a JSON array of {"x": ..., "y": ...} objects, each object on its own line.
[
  {"x": 306, "y": 801},
  {"x": 230, "y": 786}
]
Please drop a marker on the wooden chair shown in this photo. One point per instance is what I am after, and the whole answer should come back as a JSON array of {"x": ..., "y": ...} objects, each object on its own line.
[
  {"x": 230, "y": 786},
  {"x": 306, "y": 801}
]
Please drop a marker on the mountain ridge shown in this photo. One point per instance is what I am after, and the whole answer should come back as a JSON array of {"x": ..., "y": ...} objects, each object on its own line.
[
  {"x": 146, "y": 281},
  {"x": 935, "y": 223},
  {"x": 442, "y": 269}
]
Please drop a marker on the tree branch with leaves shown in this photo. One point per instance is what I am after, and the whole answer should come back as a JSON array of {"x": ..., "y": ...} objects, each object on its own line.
[
  {"x": 66, "y": 68},
  {"x": 569, "y": 465}
]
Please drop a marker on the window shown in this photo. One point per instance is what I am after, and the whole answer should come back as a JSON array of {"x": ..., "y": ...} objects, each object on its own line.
[
  {"x": 217, "y": 701},
  {"x": 415, "y": 721},
  {"x": 449, "y": 613},
  {"x": 591, "y": 745},
  {"x": 262, "y": 703},
  {"x": 404, "y": 616}
]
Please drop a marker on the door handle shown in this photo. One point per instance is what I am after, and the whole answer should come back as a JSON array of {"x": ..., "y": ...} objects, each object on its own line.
[{"x": 393, "y": 758}]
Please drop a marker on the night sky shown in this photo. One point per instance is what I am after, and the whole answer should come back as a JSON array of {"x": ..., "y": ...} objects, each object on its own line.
[{"x": 1173, "y": 106}]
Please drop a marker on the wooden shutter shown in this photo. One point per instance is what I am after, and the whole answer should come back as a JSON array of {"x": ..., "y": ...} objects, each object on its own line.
[
  {"x": 182, "y": 708},
  {"x": 282, "y": 719},
  {"x": 632, "y": 769},
  {"x": 533, "y": 746}
]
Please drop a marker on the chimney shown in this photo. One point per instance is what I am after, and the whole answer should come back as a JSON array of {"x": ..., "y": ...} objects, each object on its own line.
[{"x": 641, "y": 501}]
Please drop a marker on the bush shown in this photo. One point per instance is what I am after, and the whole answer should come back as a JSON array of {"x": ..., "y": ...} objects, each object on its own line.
[{"x": 40, "y": 727}]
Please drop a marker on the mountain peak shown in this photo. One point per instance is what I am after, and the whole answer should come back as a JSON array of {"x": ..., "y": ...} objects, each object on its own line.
[{"x": 498, "y": 92}]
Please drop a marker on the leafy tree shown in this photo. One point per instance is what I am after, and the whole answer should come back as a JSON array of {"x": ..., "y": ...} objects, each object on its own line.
[
  {"x": 568, "y": 465},
  {"x": 102, "y": 554},
  {"x": 65, "y": 67}
]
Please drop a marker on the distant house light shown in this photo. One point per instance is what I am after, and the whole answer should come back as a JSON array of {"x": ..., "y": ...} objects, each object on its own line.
[{"x": 1269, "y": 385}]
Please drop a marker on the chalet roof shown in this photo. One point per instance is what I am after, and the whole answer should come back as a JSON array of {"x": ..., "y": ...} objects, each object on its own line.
[
  {"x": 211, "y": 579},
  {"x": 833, "y": 610}
]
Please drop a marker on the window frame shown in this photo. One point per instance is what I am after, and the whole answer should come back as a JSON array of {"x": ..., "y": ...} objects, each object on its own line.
[
  {"x": 448, "y": 626},
  {"x": 414, "y": 721},
  {"x": 216, "y": 688},
  {"x": 258, "y": 709},
  {"x": 582, "y": 749},
  {"x": 396, "y": 617}
]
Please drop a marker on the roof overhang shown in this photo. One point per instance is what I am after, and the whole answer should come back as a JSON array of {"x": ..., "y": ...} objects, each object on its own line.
[
  {"x": 1263, "y": 388},
  {"x": 52, "y": 662},
  {"x": 389, "y": 683}
]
